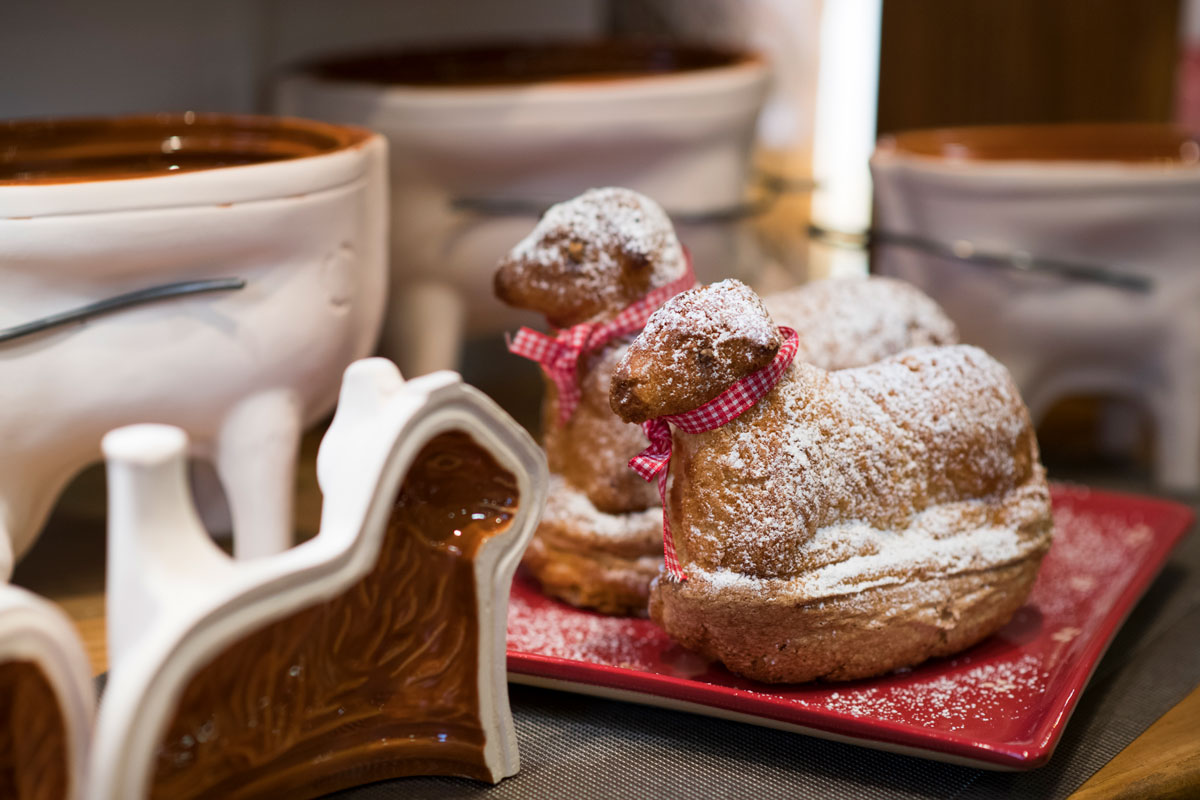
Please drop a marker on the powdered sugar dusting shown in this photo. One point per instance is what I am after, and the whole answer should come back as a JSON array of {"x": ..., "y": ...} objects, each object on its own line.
[
  {"x": 983, "y": 694},
  {"x": 852, "y": 322},
  {"x": 718, "y": 313},
  {"x": 1110, "y": 546},
  {"x": 850, "y": 558},
  {"x": 568, "y": 508},
  {"x": 695, "y": 346},
  {"x": 595, "y": 230},
  {"x": 868, "y": 449},
  {"x": 555, "y": 629}
]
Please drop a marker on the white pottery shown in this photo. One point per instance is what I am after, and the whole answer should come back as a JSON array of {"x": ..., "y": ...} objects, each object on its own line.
[
  {"x": 683, "y": 138},
  {"x": 1124, "y": 197},
  {"x": 244, "y": 371},
  {"x": 175, "y": 601},
  {"x": 35, "y": 632}
]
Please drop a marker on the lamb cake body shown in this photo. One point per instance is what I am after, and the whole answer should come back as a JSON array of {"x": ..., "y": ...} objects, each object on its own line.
[
  {"x": 853, "y": 322},
  {"x": 586, "y": 263},
  {"x": 847, "y": 523}
]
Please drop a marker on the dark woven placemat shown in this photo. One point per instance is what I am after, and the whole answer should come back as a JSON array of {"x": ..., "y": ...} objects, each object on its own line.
[{"x": 583, "y": 747}]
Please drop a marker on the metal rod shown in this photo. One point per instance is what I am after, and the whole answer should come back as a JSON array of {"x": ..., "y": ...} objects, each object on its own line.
[
  {"x": 772, "y": 185},
  {"x": 136, "y": 298},
  {"x": 962, "y": 250}
]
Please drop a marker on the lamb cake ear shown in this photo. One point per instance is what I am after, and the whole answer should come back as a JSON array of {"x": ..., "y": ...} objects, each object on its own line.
[{"x": 374, "y": 651}]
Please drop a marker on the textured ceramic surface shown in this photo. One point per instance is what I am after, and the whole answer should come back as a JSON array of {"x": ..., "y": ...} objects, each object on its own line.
[
  {"x": 375, "y": 650},
  {"x": 683, "y": 138},
  {"x": 47, "y": 701},
  {"x": 1002, "y": 704},
  {"x": 1129, "y": 199},
  {"x": 243, "y": 372}
]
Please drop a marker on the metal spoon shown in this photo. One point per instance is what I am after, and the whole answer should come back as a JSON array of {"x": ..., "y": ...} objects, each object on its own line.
[
  {"x": 139, "y": 297},
  {"x": 963, "y": 250}
]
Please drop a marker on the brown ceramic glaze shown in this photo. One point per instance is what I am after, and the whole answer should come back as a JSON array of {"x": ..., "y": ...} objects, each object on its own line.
[
  {"x": 379, "y": 682},
  {"x": 107, "y": 148},
  {"x": 33, "y": 738},
  {"x": 1168, "y": 144},
  {"x": 498, "y": 65}
]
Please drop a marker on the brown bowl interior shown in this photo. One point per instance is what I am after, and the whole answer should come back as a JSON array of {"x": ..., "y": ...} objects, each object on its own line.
[
  {"x": 107, "y": 148},
  {"x": 1152, "y": 143},
  {"x": 525, "y": 63}
]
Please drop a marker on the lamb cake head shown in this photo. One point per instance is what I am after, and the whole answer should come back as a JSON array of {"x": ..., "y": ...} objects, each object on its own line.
[
  {"x": 590, "y": 257},
  {"x": 709, "y": 339},
  {"x": 846, "y": 523}
]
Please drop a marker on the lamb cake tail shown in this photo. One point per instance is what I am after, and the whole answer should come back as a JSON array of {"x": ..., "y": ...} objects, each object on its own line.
[{"x": 696, "y": 346}]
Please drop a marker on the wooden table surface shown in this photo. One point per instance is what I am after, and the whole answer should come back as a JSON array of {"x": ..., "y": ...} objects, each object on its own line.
[{"x": 67, "y": 565}]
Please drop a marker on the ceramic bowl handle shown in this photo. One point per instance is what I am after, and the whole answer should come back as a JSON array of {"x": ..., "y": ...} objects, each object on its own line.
[{"x": 770, "y": 188}]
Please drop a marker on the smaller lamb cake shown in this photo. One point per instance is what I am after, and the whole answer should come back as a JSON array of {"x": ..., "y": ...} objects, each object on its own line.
[
  {"x": 829, "y": 525},
  {"x": 595, "y": 266}
]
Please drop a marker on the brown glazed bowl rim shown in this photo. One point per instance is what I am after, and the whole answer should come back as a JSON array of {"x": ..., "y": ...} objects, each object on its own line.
[
  {"x": 355, "y": 68},
  {"x": 68, "y": 150},
  {"x": 1156, "y": 145}
]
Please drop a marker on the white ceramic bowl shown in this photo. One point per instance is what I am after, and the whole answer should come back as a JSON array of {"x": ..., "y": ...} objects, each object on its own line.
[
  {"x": 90, "y": 209},
  {"x": 1125, "y": 197},
  {"x": 536, "y": 125}
]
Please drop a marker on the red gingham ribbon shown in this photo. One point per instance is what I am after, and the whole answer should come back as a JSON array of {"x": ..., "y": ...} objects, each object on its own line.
[
  {"x": 725, "y": 407},
  {"x": 559, "y": 354}
]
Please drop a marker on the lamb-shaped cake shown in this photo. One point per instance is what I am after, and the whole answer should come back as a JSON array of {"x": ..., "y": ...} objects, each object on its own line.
[
  {"x": 830, "y": 525},
  {"x": 596, "y": 267}
]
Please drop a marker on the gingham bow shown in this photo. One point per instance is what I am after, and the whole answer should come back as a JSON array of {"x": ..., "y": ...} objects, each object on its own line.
[
  {"x": 725, "y": 407},
  {"x": 559, "y": 354}
]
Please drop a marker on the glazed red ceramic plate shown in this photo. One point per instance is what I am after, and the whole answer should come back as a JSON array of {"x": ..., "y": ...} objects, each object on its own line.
[{"x": 1003, "y": 704}]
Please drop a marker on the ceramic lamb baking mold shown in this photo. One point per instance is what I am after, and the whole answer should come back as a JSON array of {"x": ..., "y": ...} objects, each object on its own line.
[
  {"x": 373, "y": 651},
  {"x": 47, "y": 701}
]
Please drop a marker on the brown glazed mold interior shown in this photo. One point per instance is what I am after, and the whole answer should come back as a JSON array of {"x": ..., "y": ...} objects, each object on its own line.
[
  {"x": 1133, "y": 142},
  {"x": 106, "y": 148},
  {"x": 526, "y": 63},
  {"x": 379, "y": 682},
  {"x": 33, "y": 735}
]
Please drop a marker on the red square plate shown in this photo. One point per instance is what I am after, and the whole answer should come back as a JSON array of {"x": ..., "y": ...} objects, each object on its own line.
[{"x": 1003, "y": 704}]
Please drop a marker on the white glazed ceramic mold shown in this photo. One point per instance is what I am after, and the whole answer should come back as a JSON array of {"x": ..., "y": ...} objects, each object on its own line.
[
  {"x": 243, "y": 372},
  {"x": 683, "y": 138},
  {"x": 1062, "y": 338},
  {"x": 175, "y": 600},
  {"x": 34, "y": 632}
]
